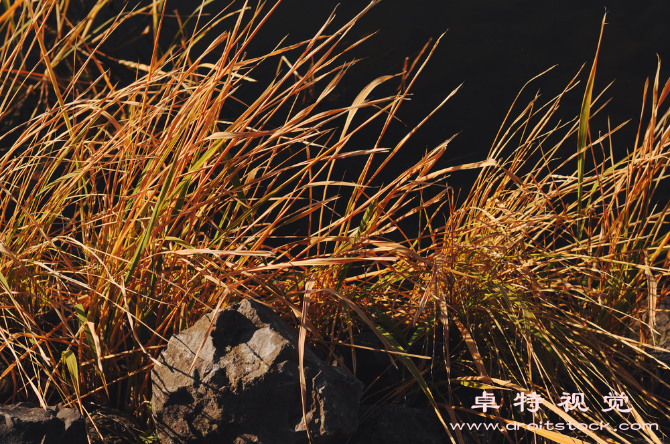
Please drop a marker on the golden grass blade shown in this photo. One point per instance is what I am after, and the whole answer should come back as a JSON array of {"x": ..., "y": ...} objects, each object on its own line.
[
  {"x": 652, "y": 298},
  {"x": 474, "y": 351},
  {"x": 465, "y": 166},
  {"x": 321, "y": 262},
  {"x": 217, "y": 253},
  {"x": 231, "y": 135},
  {"x": 360, "y": 98},
  {"x": 309, "y": 285},
  {"x": 393, "y": 352},
  {"x": 96, "y": 341}
]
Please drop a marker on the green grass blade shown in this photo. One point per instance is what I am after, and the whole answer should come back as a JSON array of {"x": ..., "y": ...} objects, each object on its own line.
[
  {"x": 152, "y": 221},
  {"x": 70, "y": 359},
  {"x": 584, "y": 128},
  {"x": 4, "y": 283}
]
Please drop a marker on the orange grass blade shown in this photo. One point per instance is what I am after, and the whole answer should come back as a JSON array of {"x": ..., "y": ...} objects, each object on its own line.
[{"x": 11, "y": 9}]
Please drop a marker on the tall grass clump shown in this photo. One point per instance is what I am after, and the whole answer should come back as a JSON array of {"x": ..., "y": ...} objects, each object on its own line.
[
  {"x": 129, "y": 208},
  {"x": 129, "y": 211},
  {"x": 546, "y": 280}
]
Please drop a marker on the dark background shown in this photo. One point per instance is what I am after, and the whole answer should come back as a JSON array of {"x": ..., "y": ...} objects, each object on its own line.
[{"x": 494, "y": 47}]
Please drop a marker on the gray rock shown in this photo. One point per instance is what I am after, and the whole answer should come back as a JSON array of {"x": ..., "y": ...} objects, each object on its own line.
[
  {"x": 397, "y": 424},
  {"x": 26, "y": 423},
  {"x": 245, "y": 387}
]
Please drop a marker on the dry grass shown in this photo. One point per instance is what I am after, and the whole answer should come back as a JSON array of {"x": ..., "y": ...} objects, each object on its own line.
[{"x": 129, "y": 211}]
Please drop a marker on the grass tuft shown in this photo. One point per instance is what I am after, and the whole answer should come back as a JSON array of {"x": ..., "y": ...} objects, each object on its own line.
[{"x": 129, "y": 208}]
